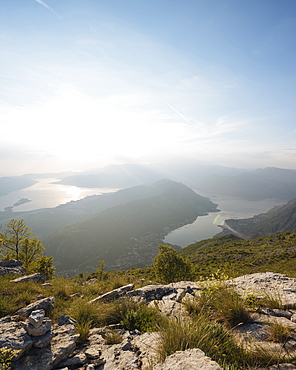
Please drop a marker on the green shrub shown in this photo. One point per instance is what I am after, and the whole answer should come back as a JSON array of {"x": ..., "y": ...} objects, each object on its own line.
[
  {"x": 141, "y": 317},
  {"x": 278, "y": 332},
  {"x": 112, "y": 337},
  {"x": 210, "y": 336},
  {"x": 6, "y": 356},
  {"x": 171, "y": 267}
]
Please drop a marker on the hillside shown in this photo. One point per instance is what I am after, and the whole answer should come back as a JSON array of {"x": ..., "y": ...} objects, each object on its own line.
[
  {"x": 47, "y": 221},
  {"x": 254, "y": 185},
  {"x": 278, "y": 219},
  {"x": 236, "y": 256},
  {"x": 9, "y": 184},
  {"x": 127, "y": 235}
]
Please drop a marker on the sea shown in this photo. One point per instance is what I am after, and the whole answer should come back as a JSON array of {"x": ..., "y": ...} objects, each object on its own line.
[
  {"x": 206, "y": 227},
  {"x": 47, "y": 194}
]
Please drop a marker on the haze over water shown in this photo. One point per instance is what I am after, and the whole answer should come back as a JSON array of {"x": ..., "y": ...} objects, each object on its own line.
[
  {"x": 206, "y": 226},
  {"x": 45, "y": 194}
]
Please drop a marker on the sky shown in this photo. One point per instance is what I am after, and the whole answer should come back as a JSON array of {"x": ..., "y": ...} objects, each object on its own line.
[{"x": 85, "y": 83}]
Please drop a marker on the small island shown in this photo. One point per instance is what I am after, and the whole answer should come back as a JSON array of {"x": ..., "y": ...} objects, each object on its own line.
[{"x": 21, "y": 201}]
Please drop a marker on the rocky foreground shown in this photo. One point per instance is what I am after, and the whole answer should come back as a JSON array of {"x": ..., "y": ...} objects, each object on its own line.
[{"x": 44, "y": 346}]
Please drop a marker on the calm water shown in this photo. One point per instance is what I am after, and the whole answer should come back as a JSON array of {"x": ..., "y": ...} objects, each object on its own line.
[
  {"x": 44, "y": 194},
  {"x": 206, "y": 226}
]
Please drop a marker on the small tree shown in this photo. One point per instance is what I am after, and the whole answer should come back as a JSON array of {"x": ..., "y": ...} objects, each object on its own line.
[
  {"x": 43, "y": 265},
  {"x": 13, "y": 238},
  {"x": 30, "y": 250},
  {"x": 171, "y": 267},
  {"x": 17, "y": 243},
  {"x": 100, "y": 269}
]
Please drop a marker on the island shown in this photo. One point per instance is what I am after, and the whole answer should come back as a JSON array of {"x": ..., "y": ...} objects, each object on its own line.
[{"x": 22, "y": 201}]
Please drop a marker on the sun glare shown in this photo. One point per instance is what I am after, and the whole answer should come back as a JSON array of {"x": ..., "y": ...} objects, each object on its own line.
[{"x": 74, "y": 126}]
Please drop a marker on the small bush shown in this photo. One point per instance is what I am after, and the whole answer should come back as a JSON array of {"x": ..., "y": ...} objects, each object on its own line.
[
  {"x": 211, "y": 337},
  {"x": 6, "y": 356},
  {"x": 278, "y": 333},
  {"x": 83, "y": 330},
  {"x": 141, "y": 317},
  {"x": 221, "y": 303},
  {"x": 86, "y": 314},
  {"x": 272, "y": 299},
  {"x": 112, "y": 337}
]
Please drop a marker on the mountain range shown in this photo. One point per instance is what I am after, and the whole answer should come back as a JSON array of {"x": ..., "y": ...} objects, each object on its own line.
[
  {"x": 128, "y": 235},
  {"x": 277, "y": 220}
]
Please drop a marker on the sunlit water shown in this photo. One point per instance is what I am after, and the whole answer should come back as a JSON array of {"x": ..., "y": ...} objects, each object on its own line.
[
  {"x": 207, "y": 226},
  {"x": 45, "y": 194}
]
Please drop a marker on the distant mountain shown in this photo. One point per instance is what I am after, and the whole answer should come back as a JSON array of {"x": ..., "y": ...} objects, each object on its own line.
[
  {"x": 126, "y": 175},
  {"x": 46, "y": 221},
  {"x": 277, "y": 220},
  {"x": 254, "y": 185},
  {"x": 127, "y": 235},
  {"x": 9, "y": 184}
]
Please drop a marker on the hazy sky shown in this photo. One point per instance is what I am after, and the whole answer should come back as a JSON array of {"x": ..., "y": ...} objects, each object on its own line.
[{"x": 84, "y": 83}]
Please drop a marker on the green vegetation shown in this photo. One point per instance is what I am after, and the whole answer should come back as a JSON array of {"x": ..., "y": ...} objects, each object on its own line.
[
  {"x": 16, "y": 242},
  {"x": 122, "y": 232},
  {"x": 235, "y": 256},
  {"x": 6, "y": 356},
  {"x": 220, "y": 303},
  {"x": 213, "y": 315},
  {"x": 170, "y": 267}
]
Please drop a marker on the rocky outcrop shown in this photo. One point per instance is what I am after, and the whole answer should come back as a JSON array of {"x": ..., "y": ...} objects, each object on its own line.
[
  {"x": 188, "y": 360},
  {"x": 43, "y": 346},
  {"x": 267, "y": 284},
  {"x": 12, "y": 267},
  {"x": 38, "y": 278},
  {"x": 14, "y": 336},
  {"x": 46, "y": 304},
  {"x": 113, "y": 294}
]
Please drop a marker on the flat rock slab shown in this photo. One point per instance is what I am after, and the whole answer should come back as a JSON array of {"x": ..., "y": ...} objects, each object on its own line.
[
  {"x": 188, "y": 360},
  {"x": 46, "y": 304},
  {"x": 62, "y": 345},
  {"x": 113, "y": 294},
  {"x": 38, "y": 278},
  {"x": 267, "y": 284},
  {"x": 13, "y": 335}
]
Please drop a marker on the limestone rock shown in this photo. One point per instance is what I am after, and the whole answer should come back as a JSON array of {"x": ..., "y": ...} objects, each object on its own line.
[
  {"x": 12, "y": 270},
  {"x": 77, "y": 360},
  {"x": 93, "y": 352},
  {"x": 46, "y": 304},
  {"x": 65, "y": 320},
  {"x": 63, "y": 342},
  {"x": 13, "y": 335},
  {"x": 38, "y": 278},
  {"x": 170, "y": 308},
  {"x": 43, "y": 340},
  {"x": 113, "y": 294},
  {"x": 36, "y": 318},
  {"x": 267, "y": 284},
  {"x": 13, "y": 267},
  {"x": 62, "y": 345},
  {"x": 188, "y": 360},
  {"x": 40, "y": 330},
  {"x": 11, "y": 263},
  {"x": 150, "y": 293}
]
